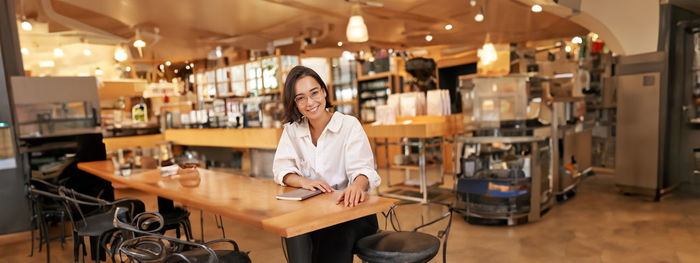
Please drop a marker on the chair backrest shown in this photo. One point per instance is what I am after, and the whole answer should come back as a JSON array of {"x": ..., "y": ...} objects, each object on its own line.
[
  {"x": 158, "y": 248},
  {"x": 442, "y": 234}
]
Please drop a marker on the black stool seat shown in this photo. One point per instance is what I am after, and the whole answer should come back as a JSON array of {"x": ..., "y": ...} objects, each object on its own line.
[
  {"x": 389, "y": 247},
  {"x": 198, "y": 255}
]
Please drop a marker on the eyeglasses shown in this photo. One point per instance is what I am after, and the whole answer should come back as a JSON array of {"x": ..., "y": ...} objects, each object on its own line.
[{"x": 301, "y": 99}]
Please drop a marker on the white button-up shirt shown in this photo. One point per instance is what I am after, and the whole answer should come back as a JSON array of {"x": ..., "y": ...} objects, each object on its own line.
[{"x": 341, "y": 154}]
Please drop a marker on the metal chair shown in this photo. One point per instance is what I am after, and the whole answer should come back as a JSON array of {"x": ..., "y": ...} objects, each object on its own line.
[
  {"x": 404, "y": 246},
  {"x": 96, "y": 225},
  {"x": 45, "y": 210},
  {"x": 158, "y": 248}
]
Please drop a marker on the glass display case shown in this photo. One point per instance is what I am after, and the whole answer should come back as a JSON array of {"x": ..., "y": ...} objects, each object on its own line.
[{"x": 222, "y": 81}]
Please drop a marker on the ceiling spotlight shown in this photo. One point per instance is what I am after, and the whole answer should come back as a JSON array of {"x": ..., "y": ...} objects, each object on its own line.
[
  {"x": 98, "y": 72},
  {"x": 218, "y": 52},
  {"x": 127, "y": 69},
  {"x": 428, "y": 38},
  {"x": 479, "y": 17},
  {"x": 187, "y": 67},
  {"x": 58, "y": 52},
  {"x": 120, "y": 54},
  {"x": 161, "y": 67},
  {"x": 176, "y": 71},
  {"x": 87, "y": 52},
  {"x": 357, "y": 29},
  {"x": 567, "y": 48},
  {"x": 577, "y": 40},
  {"x": 594, "y": 37},
  {"x": 25, "y": 51},
  {"x": 448, "y": 27},
  {"x": 371, "y": 59},
  {"x": 340, "y": 43},
  {"x": 191, "y": 65},
  {"x": 472, "y": 3},
  {"x": 139, "y": 43},
  {"x": 26, "y": 26},
  {"x": 168, "y": 63},
  {"x": 536, "y": 8}
]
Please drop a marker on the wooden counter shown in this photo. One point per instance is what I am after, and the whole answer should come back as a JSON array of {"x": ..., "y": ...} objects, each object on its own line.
[
  {"x": 262, "y": 138},
  {"x": 245, "y": 199},
  {"x": 129, "y": 142},
  {"x": 419, "y": 127}
]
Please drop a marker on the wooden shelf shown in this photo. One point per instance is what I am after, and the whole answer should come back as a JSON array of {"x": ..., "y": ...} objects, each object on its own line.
[
  {"x": 411, "y": 167},
  {"x": 375, "y": 76},
  {"x": 345, "y": 102},
  {"x": 277, "y": 91}
]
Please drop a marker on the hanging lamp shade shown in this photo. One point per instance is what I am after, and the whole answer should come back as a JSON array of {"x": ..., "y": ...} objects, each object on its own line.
[
  {"x": 487, "y": 53},
  {"x": 357, "y": 30}
]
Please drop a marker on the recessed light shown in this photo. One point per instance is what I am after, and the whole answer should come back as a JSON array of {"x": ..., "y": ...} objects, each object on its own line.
[
  {"x": 340, "y": 43},
  {"x": 536, "y": 8},
  {"x": 448, "y": 27},
  {"x": 429, "y": 38},
  {"x": 479, "y": 17}
]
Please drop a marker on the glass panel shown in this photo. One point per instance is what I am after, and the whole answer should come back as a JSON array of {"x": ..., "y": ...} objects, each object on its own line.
[
  {"x": 270, "y": 73},
  {"x": 7, "y": 153},
  {"x": 211, "y": 90},
  {"x": 223, "y": 89},
  {"x": 210, "y": 77},
  {"x": 222, "y": 74},
  {"x": 238, "y": 73},
  {"x": 254, "y": 77},
  {"x": 238, "y": 88}
]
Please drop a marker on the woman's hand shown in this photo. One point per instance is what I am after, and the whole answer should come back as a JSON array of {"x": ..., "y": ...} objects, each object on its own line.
[
  {"x": 314, "y": 185},
  {"x": 355, "y": 193}
]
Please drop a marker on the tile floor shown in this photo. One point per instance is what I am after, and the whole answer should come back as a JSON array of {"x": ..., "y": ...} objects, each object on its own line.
[{"x": 597, "y": 225}]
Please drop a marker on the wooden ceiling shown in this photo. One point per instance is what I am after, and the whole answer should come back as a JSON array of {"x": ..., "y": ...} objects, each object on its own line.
[{"x": 192, "y": 29}]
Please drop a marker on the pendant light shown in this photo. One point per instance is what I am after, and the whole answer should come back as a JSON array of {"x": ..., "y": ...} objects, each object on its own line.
[
  {"x": 138, "y": 42},
  {"x": 487, "y": 53},
  {"x": 120, "y": 54},
  {"x": 357, "y": 30}
]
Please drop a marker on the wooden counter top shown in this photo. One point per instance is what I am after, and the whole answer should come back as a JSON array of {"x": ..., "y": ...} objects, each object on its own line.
[
  {"x": 262, "y": 138},
  {"x": 245, "y": 199},
  {"x": 419, "y": 127}
]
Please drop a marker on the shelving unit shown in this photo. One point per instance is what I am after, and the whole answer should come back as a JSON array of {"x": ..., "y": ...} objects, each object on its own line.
[
  {"x": 375, "y": 90},
  {"x": 343, "y": 86}
]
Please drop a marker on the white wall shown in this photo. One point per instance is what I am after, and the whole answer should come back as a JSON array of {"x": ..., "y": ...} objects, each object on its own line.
[{"x": 633, "y": 23}]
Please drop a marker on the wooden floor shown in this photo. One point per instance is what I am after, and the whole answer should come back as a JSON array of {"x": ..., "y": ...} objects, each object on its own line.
[{"x": 597, "y": 225}]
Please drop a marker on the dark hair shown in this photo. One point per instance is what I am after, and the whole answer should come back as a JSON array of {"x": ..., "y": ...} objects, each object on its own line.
[{"x": 291, "y": 112}]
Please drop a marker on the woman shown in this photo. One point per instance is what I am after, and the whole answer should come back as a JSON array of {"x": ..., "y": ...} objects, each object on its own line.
[{"x": 320, "y": 150}]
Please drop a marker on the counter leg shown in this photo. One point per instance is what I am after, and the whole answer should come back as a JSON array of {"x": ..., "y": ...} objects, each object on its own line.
[
  {"x": 298, "y": 248},
  {"x": 421, "y": 164}
]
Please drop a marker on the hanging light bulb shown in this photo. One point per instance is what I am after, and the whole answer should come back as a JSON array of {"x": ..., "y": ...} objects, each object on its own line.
[
  {"x": 58, "y": 52},
  {"x": 120, "y": 54},
  {"x": 429, "y": 38},
  {"x": 487, "y": 53},
  {"x": 480, "y": 16},
  {"x": 472, "y": 3},
  {"x": 356, "y": 30},
  {"x": 577, "y": 40},
  {"x": 536, "y": 8},
  {"x": 127, "y": 69}
]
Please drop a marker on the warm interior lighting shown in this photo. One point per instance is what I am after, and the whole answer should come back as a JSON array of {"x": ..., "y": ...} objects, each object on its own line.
[
  {"x": 191, "y": 65},
  {"x": 536, "y": 8},
  {"x": 139, "y": 43},
  {"x": 26, "y": 26},
  {"x": 25, "y": 51},
  {"x": 120, "y": 54},
  {"x": 340, "y": 43},
  {"x": 594, "y": 37},
  {"x": 371, "y": 59},
  {"x": 487, "y": 53},
  {"x": 127, "y": 69},
  {"x": 472, "y": 3},
  {"x": 448, "y": 27},
  {"x": 577, "y": 40},
  {"x": 187, "y": 67},
  {"x": 87, "y": 52},
  {"x": 479, "y": 17},
  {"x": 98, "y": 72},
  {"x": 46, "y": 64},
  {"x": 168, "y": 63},
  {"x": 176, "y": 71},
  {"x": 58, "y": 52},
  {"x": 567, "y": 48},
  {"x": 428, "y": 38},
  {"x": 357, "y": 30},
  {"x": 161, "y": 67}
]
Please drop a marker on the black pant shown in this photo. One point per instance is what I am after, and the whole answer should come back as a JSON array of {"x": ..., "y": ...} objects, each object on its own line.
[{"x": 332, "y": 244}]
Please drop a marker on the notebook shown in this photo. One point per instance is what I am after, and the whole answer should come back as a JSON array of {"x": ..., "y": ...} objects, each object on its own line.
[{"x": 298, "y": 194}]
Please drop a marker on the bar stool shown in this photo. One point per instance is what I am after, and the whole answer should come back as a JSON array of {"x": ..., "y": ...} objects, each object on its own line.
[{"x": 404, "y": 246}]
